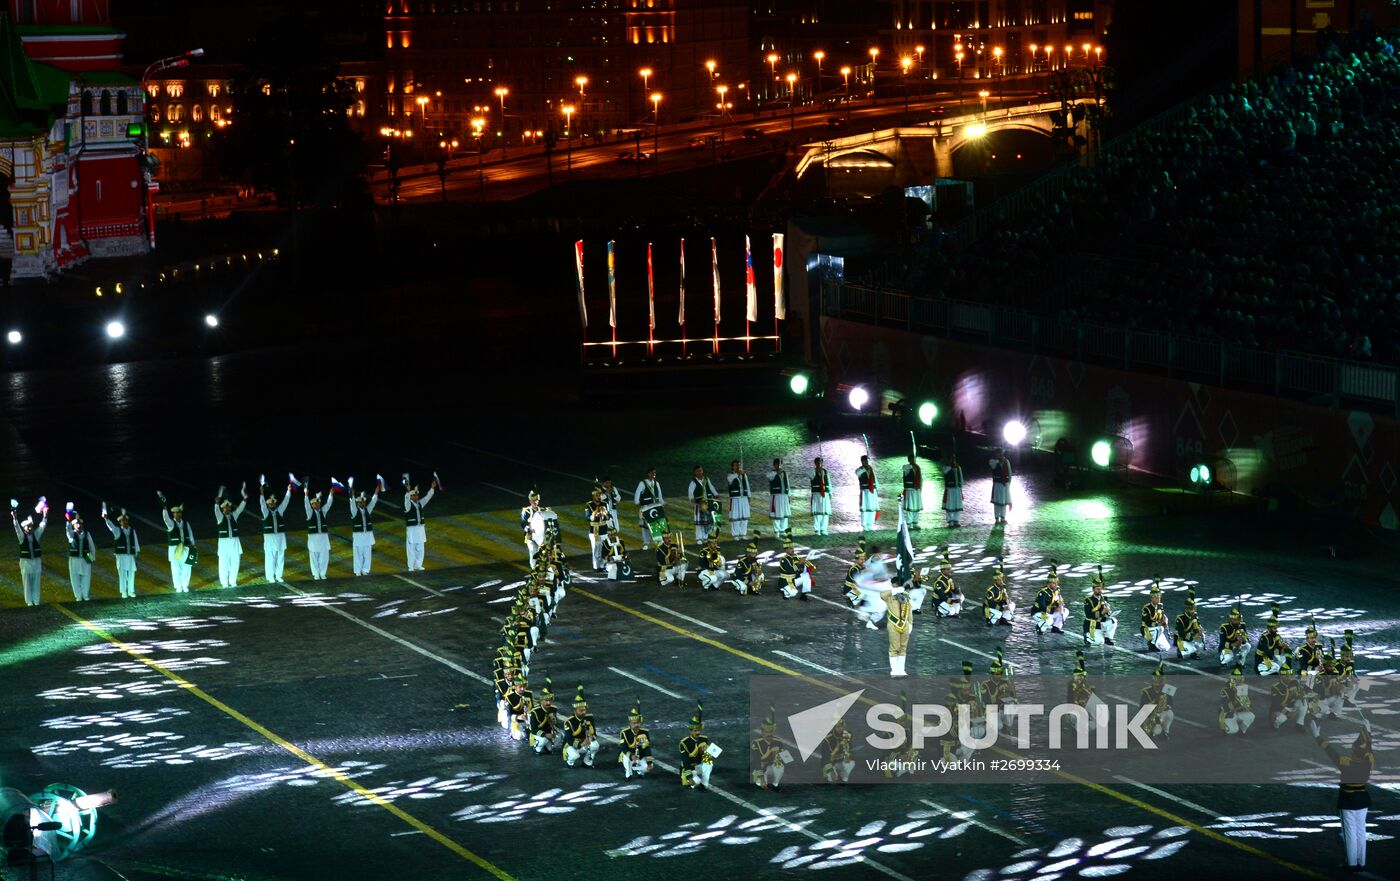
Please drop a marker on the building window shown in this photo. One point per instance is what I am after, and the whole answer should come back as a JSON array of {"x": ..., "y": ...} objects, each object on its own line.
[
  {"x": 122, "y": 106},
  {"x": 197, "y": 113},
  {"x": 86, "y": 103},
  {"x": 175, "y": 90},
  {"x": 105, "y": 103},
  {"x": 214, "y": 112},
  {"x": 153, "y": 90}
]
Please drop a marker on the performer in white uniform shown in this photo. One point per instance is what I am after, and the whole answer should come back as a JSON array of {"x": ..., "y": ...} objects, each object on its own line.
[
  {"x": 913, "y": 500},
  {"x": 362, "y": 528},
  {"x": 181, "y": 550},
  {"x": 82, "y": 551},
  {"x": 532, "y": 526},
  {"x": 274, "y": 529},
  {"x": 318, "y": 532},
  {"x": 869, "y": 494},
  {"x": 871, "y": 583},
  {"x": 780, "y": 508},
  {"x": 613, "y": 497},
  {"x": 820, "y": 481},
  {"x": 702, "y": 492},
  {"x": 31, "y": 561},
  {"x": 415, "y": 533},
  {"x": 1001, "y": 485},
  {"x": 738, "y": 480},
  {"x": 953, "y": 492},
  {"x": 648, "y": 493},
  {"x": 124, "y": 551},
  {"x": 230, "y": 545}
]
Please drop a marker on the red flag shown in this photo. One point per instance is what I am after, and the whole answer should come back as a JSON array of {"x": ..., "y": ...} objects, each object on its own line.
[
  {"x": 750, "y": 288},
  {"x": 682, "y": 308},
  {"x": 651, "y": 293},
  {"x": 578, "y": 268},
  {"x": 779, "y": 307},
  {"x": 714, "y": 266}
]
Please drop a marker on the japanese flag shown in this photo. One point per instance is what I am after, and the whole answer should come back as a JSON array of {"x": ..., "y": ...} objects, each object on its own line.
[{"x": 779, "y": 307}]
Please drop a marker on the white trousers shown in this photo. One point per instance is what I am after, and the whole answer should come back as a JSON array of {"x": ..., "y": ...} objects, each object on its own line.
[
  {"x": 632, "y": 766},
  {"x": 363, "y": 544},
  {"x": 1239, "y": 723},
  {"x": 596, "y": 545},
  {"x": 1229, "y": 657},
  {"x": 1269, "y": 666},
  {"x": 1157, "y": 637},
  {"x": 1192, "y": 648},
  {"x": 572, "y": 754},
  {"x": 674, "y": 574},
  {"x": 646, "y": 536},
  {"x": 541, "y": 742},
  {"x": 274, "y": 555},
  {"x": 1000, "y": 511},
  {"x": 995, "y": 616},
  {"x": 867, "y": 521},
  {"x": 820, "y": 523},
  {"x": 230, "y": 552},
  {"x": 770, "y": 776},
  {"x": 702, "y": 532},
  {"x": 739, "y": 516},
  {"x": 1164, "y": 722},
  {"x": 841, "y": 772},
  {"x": 917, "y": 596},
  {"x": 1100, "y": 631},
  {"x": 1044, "y": 622},
  {"x": 871, "y": 608},
  {"x": 180, "y": 576},
  {"x": 318, "y": 549},
  {"x": 1299, "y": 712},
  {"x": 951, "y": 607},
  {"x": 29, "y": 573},
  {"x": 414, "y": 552},
  {"x": 80, "y": 577},
  {"x": 700, "y": 774},
  {"x": 800, "y": 584},
  {"x": 126, "y": 574},
  {"x": 1354, "y": 836},
  {"x": 711, "y": 579},
  {"x": 532, "y": 547}
]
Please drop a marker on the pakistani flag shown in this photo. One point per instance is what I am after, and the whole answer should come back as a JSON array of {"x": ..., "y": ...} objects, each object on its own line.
[{"x": 905, "y": 551}]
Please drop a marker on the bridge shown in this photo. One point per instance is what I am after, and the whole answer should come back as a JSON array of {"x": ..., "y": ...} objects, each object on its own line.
[{"x": 925, "y": 152}]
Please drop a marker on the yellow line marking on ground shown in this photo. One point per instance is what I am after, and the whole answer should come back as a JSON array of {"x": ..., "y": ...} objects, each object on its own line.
[
  {"x": 1097, "y": 787},
  {"x": 417, "y": 824}
]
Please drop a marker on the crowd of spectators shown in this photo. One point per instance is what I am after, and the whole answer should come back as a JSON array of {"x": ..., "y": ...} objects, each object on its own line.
[{"x": 1264, "y": 214}]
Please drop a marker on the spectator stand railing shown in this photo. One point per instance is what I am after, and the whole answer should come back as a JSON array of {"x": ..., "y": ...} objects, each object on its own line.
[{"x": 1322, "y": 380}]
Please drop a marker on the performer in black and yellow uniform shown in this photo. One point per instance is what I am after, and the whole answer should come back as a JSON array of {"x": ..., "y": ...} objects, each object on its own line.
[
  {"x": 796, "y": 573},
  {"x": 852, "y": 590},
  {"x": 519, "y": 703},
  {"x": 1353, "y": 797},
  {"x": 1154, "y": 695},
  {"x": 1234, "y": 639},
  {"x": 1308, "y": 656},
  {"x": 748, "y": 571},
  {"x": 947, "y": 599},
  {"x": 713, "y": 569},
  {"x": 1271, "y": 651},
  {"x": 1235, "y": 713},
  {"x": 1286, "y": 698},
  {"x": 1099, "y": 623},
  {"x": 635, "y": 756},
  {"x": 768, "y": 754},
  {"x": 838, "y": 760},
  {"x": 696, "y": 761},
  {"x": 1154, "y": 620},
  {"x": 965, "y": 697},
  {"x": 1049, "y": 614},
  {"x": 545, "y": 731},
  {"x": 670, "y": 560},
  {"x": 998, "y": 690},
  {"x": 998, "y": 607},
  {"x": 599, "y": 517},
  {"x": 1190, "y": 638},
  {"x": 581, "y": 739}
]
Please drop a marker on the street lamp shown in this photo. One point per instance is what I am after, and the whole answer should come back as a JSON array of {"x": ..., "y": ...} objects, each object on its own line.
[
  {"x": 646, "y": 77},
  {"x": 1034, "y": 49},
  {"x": 423, "y": 109},
  {"x": 958, "y": 57},
  {"x": 919, "y": 51},
  {"x": 155, "y": 67},
  {"x": 568, "y": 111},
  {"x": 582, "y": 82},
  {"x": 1049, "y": 57},
  {"x": 983, "y": 94},
  {"x": 479, "y": 123},
  {"x": 846, "y": 77},
  {"x": 723, "y": 90},
  {"x": 710, "y": 66},
  {"x": 905, "y": 63},
  {"x": 819, "y": 55},
  {"x": 792, "y": 101},
  {"x": 656, "y": 124},
  {"x": 874, "y": 60},
  {"x": 1000, "y": 71}
]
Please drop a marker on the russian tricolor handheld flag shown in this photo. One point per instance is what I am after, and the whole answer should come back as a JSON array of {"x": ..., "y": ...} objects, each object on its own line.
[{"x": 337, "y": 486}]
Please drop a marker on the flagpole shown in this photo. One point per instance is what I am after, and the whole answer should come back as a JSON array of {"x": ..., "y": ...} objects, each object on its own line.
[{"x": 651, "y": 309}]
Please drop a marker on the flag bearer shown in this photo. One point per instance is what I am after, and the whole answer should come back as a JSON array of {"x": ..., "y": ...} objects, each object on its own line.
[
  {"x": 82, "y": 551},
  {"x": 318, "y": 532},
  {"x": 31, "y": 560},
  {"x": 181, "y": 549},
  {"x": 124, "y": 551},
  {"x": 415, "y": 533},
  {"x": 230, "y": 545},
  {"x": 362, "y": 528},
  {"x": 274, "y": 528}
]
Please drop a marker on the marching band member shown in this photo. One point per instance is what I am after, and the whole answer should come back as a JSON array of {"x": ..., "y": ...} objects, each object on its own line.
[
  {"x": 318, "y": 532},
  {"x": 1286, "y": 698},
  {"x": 1346, "y": 669},
  {"x": 998, "y": 608},
  {"x": 599, "y": 521},
  {"x": 1353, "y": 798},
  {"x": 1154, "y": 695},
  {"x": 998, "y": 690},
  {"x": 738, "y": 500},
  {"x": 1190, "y": 638},
  {"x": 900, "y": 625},
  {"x": 1099, "y": 623},
  {"x": 519, "y": 704},
  {"x": 768, "y": 750},
  {"x": 612, "y": 497},
  {"x": 582, "y": 737},
  {"x": 964, "y": 696},
  {"x": 1330, "y": 688},
  {"x": 670, "y": 560},
  {"x": 946, "y": 596},
  {"x": 1234, "y": 639},
  {"x": 124, "y": 551},
  {"x": 181, "y": 550},
  {"x": 532, "y": 526},
  {"x": 838, "y": 758},
  {"x": 31, "y": 559},
  {"x": 230, "y": 545},
  {"x": 546, "y": 733},
  {"x": 697, "y": 761},
  {"x": 820, "y": 483},
  {"x": 82, "y": 551},
  {"x": 415, "y": 532},
  {"x": 713, "y": 571},
  {"x": 796, "y": 572},
  {"x": 1001, "y": 485},
  {"x": 1271, "y": 650},
  {"x": 615, "y": 557},
  {"x": 274, "y": 531},
  {"x": 953, "y": 492},
  {"x": 647, "y": 495},
  {"x": 872, "y": 583},
  {"x": 905, "y": 758},
  {"x": 780, "y": 504},
  {"x": 503, "y": 676},
  {"x": 869, "y": 495},
  {"x": 1154, "y": 620},
  {"x": 912, "y": 502},
  {"x": 1235, "y": 713},
  {"x": 748, "y": 572},
  {"x": 1049, "y": 614},
  {"x": 635, "y": 756},
  {"x": 852, "y": 575},
  {"x": 362, "y": 528},
  {"x": 1308, "y": 656},
  {"x": 703, "y": 493}
]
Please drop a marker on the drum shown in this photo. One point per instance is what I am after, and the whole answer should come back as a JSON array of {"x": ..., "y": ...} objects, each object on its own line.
[
  {"x": 551, "y": 525},
  {"x": 624, "y": 568},
  {"x": 654, "y": 516}
]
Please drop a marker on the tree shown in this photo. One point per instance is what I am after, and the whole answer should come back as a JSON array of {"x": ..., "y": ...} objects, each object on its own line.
[{"x": 291, "y": 131}]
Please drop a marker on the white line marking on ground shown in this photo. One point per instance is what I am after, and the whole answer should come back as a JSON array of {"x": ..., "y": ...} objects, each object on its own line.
[
  {"x": 422, "y": 587},
  {"x": 1179, "y": 717},
  {"x": 846, "y": 606},
  {"x": 971, "y": 817},
  {"x": 684, "y": 617},
  {"x": 1168, "y": 796},
  {"x": 652, "y": 685},
  {"x": 389, "y": 636},
  {"x": 497, "y": 486},
  {"x": 825, "y": 670},
  {"x": 537, "y": 467}
]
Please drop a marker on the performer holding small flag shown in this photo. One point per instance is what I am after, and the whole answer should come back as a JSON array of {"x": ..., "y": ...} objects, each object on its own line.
[
  {"x": 415, "y": 533},
  {"x": 780, "y": 508},
  {"x": 274, "y": 528},
  {"x": 124, "y": 551},
  {"x": 82, "y": 551},
  {"x": 739, "y": 494},
  {"x": 362, "y": 528},
  {"x": 181, "y": 550},
  {"x": 821, "y": 497},
  {"x": 31, "y": 560},
  {"x": 869, "y": 494},
  {"x": 318, "y": 530},
  {"x": 230, "y": 545}
]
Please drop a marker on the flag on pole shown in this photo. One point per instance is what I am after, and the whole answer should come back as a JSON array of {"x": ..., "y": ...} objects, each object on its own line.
[
  {"x": 905, "y": 570},
  {"x": 714, "y": 267},
  {"x": 651, "y": 293},
  {"x": 578, "y": 270},
  {"x": 779, "y": 307},
  {"x": 612, "y": 286},
  {"x": 682, "y": 308},
  {"x": 750, "y": 289}
]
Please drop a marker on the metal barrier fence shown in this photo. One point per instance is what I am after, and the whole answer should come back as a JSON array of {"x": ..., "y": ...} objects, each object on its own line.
[{"x": 1282, "y": 373}]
